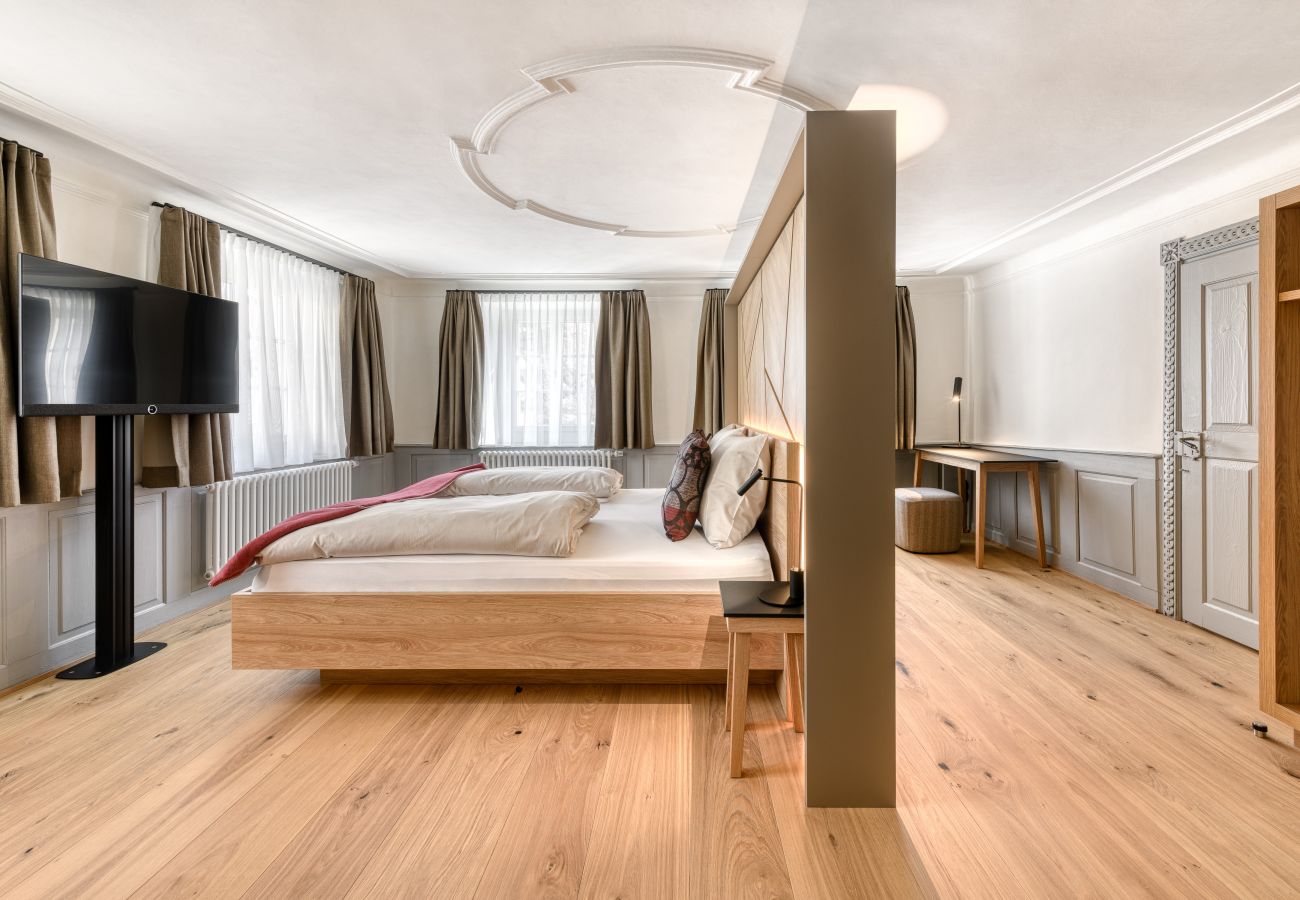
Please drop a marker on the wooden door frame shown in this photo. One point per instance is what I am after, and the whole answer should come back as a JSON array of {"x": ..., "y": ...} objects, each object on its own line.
[{"x": 1172, "y": 256}]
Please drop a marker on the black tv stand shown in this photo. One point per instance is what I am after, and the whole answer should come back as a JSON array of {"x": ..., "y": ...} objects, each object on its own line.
[{"x": 115, "y": 644}]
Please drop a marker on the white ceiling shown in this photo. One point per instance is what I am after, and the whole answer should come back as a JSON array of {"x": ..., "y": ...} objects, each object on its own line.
[{"x": 338, "y": 116}]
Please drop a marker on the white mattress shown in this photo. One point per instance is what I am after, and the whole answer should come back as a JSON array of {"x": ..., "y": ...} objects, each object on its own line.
[{"x": 623, "y": 549}]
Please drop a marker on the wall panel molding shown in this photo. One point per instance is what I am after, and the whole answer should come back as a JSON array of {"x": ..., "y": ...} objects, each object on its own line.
[
  {"x": 1100, "y": 515},
  {"x": 47, "y": 566}
]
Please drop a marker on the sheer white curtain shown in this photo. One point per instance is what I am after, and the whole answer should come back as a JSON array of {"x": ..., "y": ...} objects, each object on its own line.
[
  {"x": 539, "y": 369},
  {"x": 290, "y": 390}
]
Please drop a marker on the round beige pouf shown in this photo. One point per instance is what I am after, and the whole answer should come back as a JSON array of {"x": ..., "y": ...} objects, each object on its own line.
[{"x": 928, "y": 520}]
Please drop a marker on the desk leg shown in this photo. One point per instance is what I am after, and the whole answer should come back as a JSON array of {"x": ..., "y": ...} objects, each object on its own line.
[
  {"x": 981, "y": 513},
  {"x": 961, "y": 492},
  {"x": 739, "y": 696},
  {"x": 794, "y": 678},
  {"x": 731, "y": 675},
  {"x": 1038, "y": 515},
  {"x": 916, "y": 474}
]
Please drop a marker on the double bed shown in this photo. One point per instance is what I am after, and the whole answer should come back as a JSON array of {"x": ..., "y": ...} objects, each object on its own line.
[{"x": 628, "y": 605}]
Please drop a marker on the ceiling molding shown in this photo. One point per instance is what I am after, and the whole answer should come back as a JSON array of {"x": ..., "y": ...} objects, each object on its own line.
[
  {"x": 280, "y": 223},
  {"x": 1279, "y": 104},
  {"x": 748, "y": 74}
]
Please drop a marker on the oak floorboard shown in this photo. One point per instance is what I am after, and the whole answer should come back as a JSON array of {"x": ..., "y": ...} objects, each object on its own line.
[
  {"x": 543, "y": 846},
  {"x": 639, "y": 847},
  {"x": 441, "y": 843},
  {"x": 1123, "y": 733},
  {"x": 1173, "y": 767},
  {"x": 1012, "y": 764},
  {"x": 822, "y": 858},
  {"x": 228, "y": 856},
  {"x": 170, "y": 815},
  {"x": 734, "y": 844},
  {"x": 331, "y": 850},
  {"x": 56, "y": 790}
]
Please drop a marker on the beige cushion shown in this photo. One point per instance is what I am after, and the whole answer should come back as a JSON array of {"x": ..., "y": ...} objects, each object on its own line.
[
  {"x": 726, "y": 517},
  {"x": 928, "y": 520},
  {"x": 595, "y": 480}
]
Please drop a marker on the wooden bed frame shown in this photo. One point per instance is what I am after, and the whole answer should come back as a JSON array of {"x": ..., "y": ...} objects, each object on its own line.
[{"x": 515, "y": 637}]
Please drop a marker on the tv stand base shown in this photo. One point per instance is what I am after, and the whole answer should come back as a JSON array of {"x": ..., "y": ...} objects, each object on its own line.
[{"x": 93, "y": 668}]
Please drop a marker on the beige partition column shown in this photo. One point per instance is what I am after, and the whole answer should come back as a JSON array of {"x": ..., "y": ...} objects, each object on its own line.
[{"x": 849, "y": 166}]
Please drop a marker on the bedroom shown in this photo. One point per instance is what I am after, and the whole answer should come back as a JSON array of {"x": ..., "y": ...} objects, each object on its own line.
[{"x": 396, "y": 198}]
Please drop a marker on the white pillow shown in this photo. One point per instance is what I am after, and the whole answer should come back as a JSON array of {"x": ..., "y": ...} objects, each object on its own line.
[
  {"x": 726, "y": 517},
  {"x": 722, "y": 434},
  {"x": 598, "y": 482}
]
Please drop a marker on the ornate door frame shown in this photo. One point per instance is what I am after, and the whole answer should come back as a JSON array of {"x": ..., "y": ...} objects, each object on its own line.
[{"x": 1172, "y": 256}]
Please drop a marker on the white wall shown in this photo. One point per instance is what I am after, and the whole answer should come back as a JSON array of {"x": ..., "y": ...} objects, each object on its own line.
[
  {"x": 411, "y": 314},
  {"x": 1066, "y": 341}
]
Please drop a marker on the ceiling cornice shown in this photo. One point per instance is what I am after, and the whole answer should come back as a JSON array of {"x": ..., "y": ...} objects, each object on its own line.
[
  {"x": 1280, "y": 103},
  {"x": 280, "y": 223},
  {"x": 748, "y": 74}
]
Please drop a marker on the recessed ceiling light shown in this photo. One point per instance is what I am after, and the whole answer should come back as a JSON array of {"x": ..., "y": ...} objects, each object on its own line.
[{"x": 922, "y": 117}]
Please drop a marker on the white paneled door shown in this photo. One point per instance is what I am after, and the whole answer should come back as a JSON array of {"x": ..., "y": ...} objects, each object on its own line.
[{"x": 1218, "y": 444}]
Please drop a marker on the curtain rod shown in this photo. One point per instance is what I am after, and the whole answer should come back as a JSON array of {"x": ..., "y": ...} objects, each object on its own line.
[
  {"x": 539, "y": 291},
  {"x": 257, "y": 240}
]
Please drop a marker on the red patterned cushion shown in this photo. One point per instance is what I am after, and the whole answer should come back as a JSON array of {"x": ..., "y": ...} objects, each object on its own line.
[{"x": 681, "y": 504}]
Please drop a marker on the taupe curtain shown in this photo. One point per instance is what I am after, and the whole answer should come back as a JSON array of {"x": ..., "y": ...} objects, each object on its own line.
[
  {"x": 180, "y": 451},
  {"x": 905, "y": 370},
  {"x": 709, "y": 362},
  {"x": 460, "y": 374},
  {"x": 623, "y": 400},
  {"x": 40, "y": 458},
  {"x": 367, "y": 406}
]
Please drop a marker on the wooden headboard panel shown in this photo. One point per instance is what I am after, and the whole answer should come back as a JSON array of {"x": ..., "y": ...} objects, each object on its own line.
[{"x": 781, "y": 523}]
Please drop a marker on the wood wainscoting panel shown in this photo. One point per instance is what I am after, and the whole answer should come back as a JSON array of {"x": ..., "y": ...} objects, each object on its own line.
[
  {"x": 1106, "y": 532},
  {"x": 1101, "y": 514},
  {"x": 72, "y": 568},
  {"x": 771, "y": 365}
]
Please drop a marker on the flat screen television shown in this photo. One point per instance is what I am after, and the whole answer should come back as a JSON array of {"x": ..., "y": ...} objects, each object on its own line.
[{"x": 91, "y": 343}]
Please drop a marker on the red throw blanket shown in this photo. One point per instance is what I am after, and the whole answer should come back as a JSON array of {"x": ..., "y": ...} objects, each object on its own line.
[{"x": 247, "y": 554}]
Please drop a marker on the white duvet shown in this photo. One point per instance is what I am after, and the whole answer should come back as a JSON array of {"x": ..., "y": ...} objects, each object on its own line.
[
  {"x": 622, "y": 550},
  {"x": 546, "y": 523}
]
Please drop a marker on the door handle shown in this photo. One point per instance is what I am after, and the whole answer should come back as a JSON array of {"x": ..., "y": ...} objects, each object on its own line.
[{"x": 1189, "y": 444}]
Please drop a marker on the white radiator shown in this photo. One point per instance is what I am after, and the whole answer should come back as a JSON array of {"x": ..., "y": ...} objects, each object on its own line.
[
  {"x": 558, "y": 456},
  {"x": 244, "y": 507}
]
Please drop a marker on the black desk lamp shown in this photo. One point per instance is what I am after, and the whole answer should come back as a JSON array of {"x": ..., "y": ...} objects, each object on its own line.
[
  {"x": 956, "y": 398},
  {"x": 781, "y": 595}
]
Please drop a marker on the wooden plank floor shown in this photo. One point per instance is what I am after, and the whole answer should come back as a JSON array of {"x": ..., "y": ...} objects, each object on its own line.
[
  {"x": 1059, "y": 740},
  {"x": 179, "y": 777},
  {"x": 1054, "y": 740}
]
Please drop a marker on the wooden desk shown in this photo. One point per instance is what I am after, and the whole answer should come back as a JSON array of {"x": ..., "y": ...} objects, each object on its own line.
[{"x": 981, "y": 462}]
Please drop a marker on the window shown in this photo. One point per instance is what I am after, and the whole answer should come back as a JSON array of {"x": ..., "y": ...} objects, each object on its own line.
[
  {"x": 539, "y": 369},
  {"x": 290, "y": 389}
]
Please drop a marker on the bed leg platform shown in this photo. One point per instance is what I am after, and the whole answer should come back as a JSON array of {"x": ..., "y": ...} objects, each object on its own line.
[
  {"x": 491, "y": 638},
  {"x": 538, "y": 676}
]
